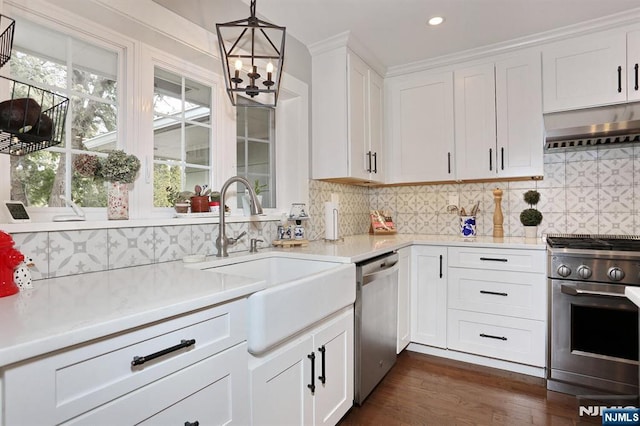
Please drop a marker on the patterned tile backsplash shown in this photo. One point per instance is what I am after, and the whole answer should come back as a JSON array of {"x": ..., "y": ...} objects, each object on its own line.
[
  {"x": 593, "y": 191},
  {"x": 61, "y": 253}
]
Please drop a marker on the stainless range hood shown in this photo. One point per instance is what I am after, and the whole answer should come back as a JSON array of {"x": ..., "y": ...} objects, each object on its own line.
[{"x": 610, "y": 126}]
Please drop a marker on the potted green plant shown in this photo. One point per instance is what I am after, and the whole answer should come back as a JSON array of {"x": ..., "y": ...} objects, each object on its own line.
[
  {"x": 181, "y": 200},
  {"x": 119, "y": 169},
  {"x": 531, "y": 217}
]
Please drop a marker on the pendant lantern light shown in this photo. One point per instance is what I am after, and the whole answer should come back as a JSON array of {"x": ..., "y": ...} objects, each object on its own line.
[{"x": 252, "y": 52}]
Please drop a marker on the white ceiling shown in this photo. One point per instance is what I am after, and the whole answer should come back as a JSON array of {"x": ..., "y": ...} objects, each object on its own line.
[{"x": 396, "y": 31}]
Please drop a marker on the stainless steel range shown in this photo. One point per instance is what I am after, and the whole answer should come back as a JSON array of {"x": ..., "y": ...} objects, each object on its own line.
[{"x": 593, "y": 326}]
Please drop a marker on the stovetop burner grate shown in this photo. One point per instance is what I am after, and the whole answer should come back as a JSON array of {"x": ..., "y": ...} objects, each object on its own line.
[{"x": 595, "y": 242}]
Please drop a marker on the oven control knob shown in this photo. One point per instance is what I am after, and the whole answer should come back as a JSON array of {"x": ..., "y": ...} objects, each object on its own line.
[
  {"x": 584, "y": 272},
  {"x": 615, "y": 273},
  {"x": 564, "y": 271}
]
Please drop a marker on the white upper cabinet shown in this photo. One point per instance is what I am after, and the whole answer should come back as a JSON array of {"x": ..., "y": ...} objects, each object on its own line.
[
  {"x": 633, "y": 62},
  {"x": 421, "y": 128},
  {"x": 519, "y": 124},
  {"x": 586, "y": 71},
  {"x": 475, "y": 117},
  {"x": 347, "y": 118},
  {"x": 498, "y": 115}
]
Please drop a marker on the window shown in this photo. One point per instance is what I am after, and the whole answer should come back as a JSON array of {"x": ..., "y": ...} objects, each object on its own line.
[
  {"x": 88, "y": 75},
  {"x": 255, "y": 150},
  {"x": 182, "y": 138}
]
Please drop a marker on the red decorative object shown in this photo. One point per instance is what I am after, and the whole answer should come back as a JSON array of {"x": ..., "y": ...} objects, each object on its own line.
[{"x": 9, "y": 259}]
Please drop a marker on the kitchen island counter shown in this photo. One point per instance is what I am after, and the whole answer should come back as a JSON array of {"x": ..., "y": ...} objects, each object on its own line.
[{"x": 633, "y": 294}]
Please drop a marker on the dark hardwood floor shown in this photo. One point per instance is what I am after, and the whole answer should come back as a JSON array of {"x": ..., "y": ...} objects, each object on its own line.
[{"x": 427, "y": 390}]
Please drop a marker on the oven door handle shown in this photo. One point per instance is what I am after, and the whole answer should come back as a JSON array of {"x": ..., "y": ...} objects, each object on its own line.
[{"x": 573, "y": 291}]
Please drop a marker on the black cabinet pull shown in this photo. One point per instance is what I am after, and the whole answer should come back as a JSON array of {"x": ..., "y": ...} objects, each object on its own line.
[
  {"x": 493, "y": 259},
  {"x": 636, "y": 69},
  {"x": 502, "y": 158},
  {"x": 489, "y": 336},
  {"x": 449, "y": 162},
  {"x": 490, "y": 159},
  {"x": 494, "y": 293},
  {"x": 322, "y": 377},
  {"x": 375, "y": 162},
  {"x": 139, "y": 360},
  {"x": 312, "y": 357},
  {"x": 619, "y": 79},
  {"x": 440, "y": 266},
  {"x": 196, "y": 423}
]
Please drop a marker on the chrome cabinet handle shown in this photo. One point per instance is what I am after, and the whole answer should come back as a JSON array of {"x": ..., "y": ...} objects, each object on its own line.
[
  {"x": 369, "y": 158},
  {"x": 139, "y": 360}
]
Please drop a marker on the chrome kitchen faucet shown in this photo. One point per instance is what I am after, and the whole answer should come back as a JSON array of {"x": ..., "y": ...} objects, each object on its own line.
[{"x": 222, "y": 242}]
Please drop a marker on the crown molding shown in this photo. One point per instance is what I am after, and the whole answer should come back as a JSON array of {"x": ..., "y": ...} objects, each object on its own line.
[
  {"x": 615, "y": 21},
  {"x": 346, "y": 39}
]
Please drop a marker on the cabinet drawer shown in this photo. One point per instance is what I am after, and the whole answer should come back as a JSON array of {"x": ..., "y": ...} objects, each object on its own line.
[
  {"x": 72, "y": 381},
  {"x": 507, "y": 338},
  {"x": 509, "y": 293},
  {"x": 498, "y": 259},
  {"x": 211, "y": 392}
]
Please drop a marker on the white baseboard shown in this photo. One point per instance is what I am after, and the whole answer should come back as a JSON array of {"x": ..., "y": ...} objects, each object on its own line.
[{"x": 479, "y": 360}]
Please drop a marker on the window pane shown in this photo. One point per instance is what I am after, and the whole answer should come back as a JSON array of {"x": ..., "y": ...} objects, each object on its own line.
[
  {"x": 26, "y": 67},
  {"x": 167, "y": 99},
  {"x": 196, "y": 177},
  {"x": 86, "y": 189},
  {"x": 95, "y": 123},
  {"x": 197, "y": 144},
  {"x": 167, "y": 137},
  {"x": 167, "y": 179},
  {"x": 198, "y": 96},
  {"x": 258, "y": 158},
  {"x": 258, "y": 123},
  {"x": 33, "y": 177}
]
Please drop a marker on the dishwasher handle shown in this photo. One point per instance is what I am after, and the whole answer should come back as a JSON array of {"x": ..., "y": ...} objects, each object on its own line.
[{"x": 387, "y": 266}]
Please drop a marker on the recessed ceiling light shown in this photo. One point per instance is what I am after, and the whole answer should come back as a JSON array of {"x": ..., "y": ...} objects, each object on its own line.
[{"x": 436, "y": 20}]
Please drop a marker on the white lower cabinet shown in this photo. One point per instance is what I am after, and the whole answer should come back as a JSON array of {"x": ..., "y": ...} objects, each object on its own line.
[
  {"x": 429, "y": 295},
  {"x": 201, "y": 354},
  {"x": 307, "y": 381},
  {"x": 497, "y": 304},
  {"x": 487, "y": 302},
  {"x": 404, "y": 299}
]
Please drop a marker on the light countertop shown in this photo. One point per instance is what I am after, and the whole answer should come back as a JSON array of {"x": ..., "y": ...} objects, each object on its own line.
[{"x": 64, "y": 311}]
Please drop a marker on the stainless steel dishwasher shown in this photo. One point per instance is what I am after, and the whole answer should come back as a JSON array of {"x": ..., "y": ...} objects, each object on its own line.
[{"x": 376, "y": 313}]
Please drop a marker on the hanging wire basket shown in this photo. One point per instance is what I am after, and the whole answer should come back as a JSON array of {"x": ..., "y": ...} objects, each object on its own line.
[
  {"x": 7, "y": 26},
  {"x": 31, "y": 119}
]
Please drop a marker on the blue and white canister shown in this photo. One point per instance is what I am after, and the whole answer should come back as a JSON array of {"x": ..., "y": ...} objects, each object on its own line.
[
  {"x": 468, "y": 226},
  {"x": 298, "y": 232}
]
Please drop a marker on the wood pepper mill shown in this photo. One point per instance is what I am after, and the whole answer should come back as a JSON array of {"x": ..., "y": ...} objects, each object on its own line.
[{"x": 498, "y": 230}]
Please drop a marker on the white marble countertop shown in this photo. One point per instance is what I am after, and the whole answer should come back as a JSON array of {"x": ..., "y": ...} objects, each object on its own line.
[
  {"x": 64, "y": 311},
  {"x": 361, "y": 247},
  {"x": 633, "y": 294}
]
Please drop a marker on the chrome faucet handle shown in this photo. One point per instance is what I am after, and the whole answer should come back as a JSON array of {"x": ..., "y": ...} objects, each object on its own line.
[
  {"x": 235, "y": 240},
  {"x": 254, "y": 245}
]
